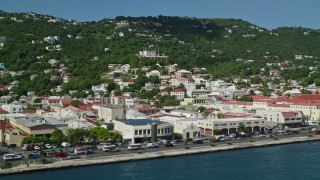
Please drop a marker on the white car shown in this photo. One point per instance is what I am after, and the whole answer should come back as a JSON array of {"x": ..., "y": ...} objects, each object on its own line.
[
  {"x": 48, "y": 146},
  {"x": 36, "y": 147}
]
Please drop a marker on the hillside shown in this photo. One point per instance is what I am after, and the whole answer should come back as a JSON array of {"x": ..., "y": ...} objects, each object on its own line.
[{"x": 86, "y": 49}]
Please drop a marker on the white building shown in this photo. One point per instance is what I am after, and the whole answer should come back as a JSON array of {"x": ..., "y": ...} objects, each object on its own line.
[
  {"x": 188, "y": 114},
  {"x": 108, "y": 112},
  {"x": 282, "y": 118},
  {"x": 230, "y": 125},
  {"x": 12, "y": 108},
  {"x": 187, "y": 130},
  {"x": 139, "y": 130},
  {"x": 178, "y": 93}
]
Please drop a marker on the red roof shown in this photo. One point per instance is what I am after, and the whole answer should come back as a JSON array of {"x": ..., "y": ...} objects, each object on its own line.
[
  {"x": 131, "y": 80},
  {"x": 178, "y": 90},
  {"x": 86, "y": 107},
  {"x": 2, "y": 111},
  {"x": 28, "y": 111},
  {"x": 8, "y": 125},
  {"x": 237, "y": 103},
  {"x": 66, "y": 101},
  {"x": 288, "y": 114},
  {"x": 308, "y": 97}
]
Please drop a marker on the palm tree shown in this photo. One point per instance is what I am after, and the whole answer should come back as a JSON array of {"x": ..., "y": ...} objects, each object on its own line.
[{"x": 241, "y": 128}]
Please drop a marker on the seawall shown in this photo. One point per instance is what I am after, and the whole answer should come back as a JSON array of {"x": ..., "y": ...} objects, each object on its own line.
[{"x": 152, "y": 155}]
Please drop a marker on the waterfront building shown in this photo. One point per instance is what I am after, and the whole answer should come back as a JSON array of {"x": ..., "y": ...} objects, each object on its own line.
[
  {"x": 187, "y": 130},
  {"x": 230, "y": 125},
  {"x": 139, "y": 130},
  {"x": 282, "y": 118}
]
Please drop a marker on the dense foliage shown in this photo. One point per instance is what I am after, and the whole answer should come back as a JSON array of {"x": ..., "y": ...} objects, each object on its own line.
[{"x": 221, "y": 45}]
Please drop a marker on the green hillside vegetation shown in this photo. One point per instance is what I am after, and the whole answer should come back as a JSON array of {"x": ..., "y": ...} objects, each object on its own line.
[{"x": 219, "y": 45}]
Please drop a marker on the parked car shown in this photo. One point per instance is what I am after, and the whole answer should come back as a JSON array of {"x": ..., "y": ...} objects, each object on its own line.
[
  {"x": 60, "y": 154},
  {"x": 33, "y": 155},
  {"x": 163, "y": 141},
  {"x": 153, "y": 145},
  {"x": 47, "y": 153},
  {"x": 83, "y": 150},
  {"x": 169, "y": 144},
  {"x": 11, "y": 157},
  {"x": 65, "y": 144},
  {"x": 48, "y": 146},
  {"x": 73, "y": 156},
  {"x": 198, "y": 141},
  {"x": 110, "y": 148},
  {"x": 27, "y": 148},
  {"x": 37, "y": 148}
]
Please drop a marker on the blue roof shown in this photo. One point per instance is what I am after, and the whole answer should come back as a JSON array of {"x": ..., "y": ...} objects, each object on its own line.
[{"x": 140, "y": 122}]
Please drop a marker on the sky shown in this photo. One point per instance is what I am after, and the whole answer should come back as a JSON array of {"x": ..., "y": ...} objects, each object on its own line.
[{"x": 269, "y": 14}]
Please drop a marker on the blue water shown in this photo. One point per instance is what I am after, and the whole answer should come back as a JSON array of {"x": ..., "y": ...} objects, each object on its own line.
[{"x": 293, "y": 161}]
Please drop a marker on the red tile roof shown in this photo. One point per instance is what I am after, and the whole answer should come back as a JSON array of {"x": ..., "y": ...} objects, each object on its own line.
[
  {"x": 309, "y": 97},
  {"x": 288, "y": 114},
  {"x": 28, "y": 111},
  {"x": 178, "y": 90},
  {"x": 2, "y": 111},
  {"x": 66, "y": 101},
  {"x": 86, "y": 107},
  {"x": 237, "y": 103}
]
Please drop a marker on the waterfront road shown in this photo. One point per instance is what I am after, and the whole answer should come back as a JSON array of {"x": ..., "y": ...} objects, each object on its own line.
[
  {"x": 125, "y": 155},
  {"x": 123, "y": 149}
]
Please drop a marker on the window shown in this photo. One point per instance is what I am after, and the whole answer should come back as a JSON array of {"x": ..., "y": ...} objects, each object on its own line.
[
  {"x": 161, "y": 131},
  {"x": 165, "y": 130},
  {"x": 158, "y": 131},
  {"x": 136, "y": 132},
  {"x": 149, "y": 132},
  {"x": 144, "y": 131},
  {"x": 140, "y": 132}
]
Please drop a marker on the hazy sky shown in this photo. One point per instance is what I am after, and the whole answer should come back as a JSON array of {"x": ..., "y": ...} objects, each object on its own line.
[{"x": 265, "y": 13}]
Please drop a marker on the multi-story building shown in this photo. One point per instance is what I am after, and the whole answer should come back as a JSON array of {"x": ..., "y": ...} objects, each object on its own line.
[
  {"x": 139, "y": 130},
  {"x": 230, "y": 125},
  {"x": 282, "y": 118},
  {"x": 109, "y": 112},
  {"x": 178, "y": 93}
]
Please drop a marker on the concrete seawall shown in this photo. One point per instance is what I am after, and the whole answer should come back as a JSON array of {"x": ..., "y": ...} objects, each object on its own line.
[{"x": 152, "y": 155}]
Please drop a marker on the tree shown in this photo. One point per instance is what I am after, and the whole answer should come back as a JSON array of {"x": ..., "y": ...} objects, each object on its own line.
[
  {"x": 201, "y": 109},
  {"x": 34, "y": 140},
  {"x": 217, "y": 132},
  {"x": 111, "y": 86},
  {"x": 75, "y": 103},
  {"x": 220, "y": 115},
  {"x": 99, "y": 133},
  {"x": 110, "y": 126},
  {"x": 37, "y": 100},
  {"x": 58, "y": 136},
  {"x": 76, "y": 135},
  {"x": 241, "y": 128},
  {"x": 206, "y": 113},
  {"x": 305, "y": 91}
]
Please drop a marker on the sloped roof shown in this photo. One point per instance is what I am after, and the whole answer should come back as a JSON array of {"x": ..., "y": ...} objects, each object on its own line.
[{"x": 178, "y": 90}]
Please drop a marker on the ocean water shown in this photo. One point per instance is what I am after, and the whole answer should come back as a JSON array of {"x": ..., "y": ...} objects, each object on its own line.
[{"x": 293, "y": 161}]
